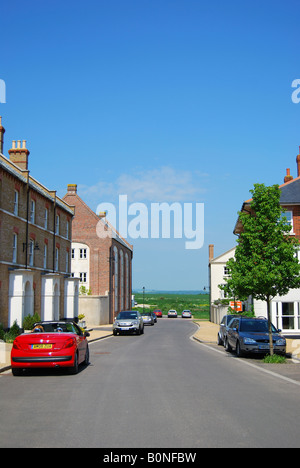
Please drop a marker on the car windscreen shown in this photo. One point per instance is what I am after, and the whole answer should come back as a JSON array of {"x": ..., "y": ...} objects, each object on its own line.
[
  {"x": 127, "y": 315},
  {"x": 52, "y": 327},
  {"x": 255, "y": 326}
]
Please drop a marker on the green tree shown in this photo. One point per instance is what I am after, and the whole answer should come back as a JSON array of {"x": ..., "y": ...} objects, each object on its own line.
[{"x": 265, "y": 264}]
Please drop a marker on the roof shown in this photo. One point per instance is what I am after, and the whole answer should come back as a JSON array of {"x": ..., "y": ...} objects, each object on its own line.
[
  {"x": 22, "y": 175},
  {"x": 102, "y": 223},
  {"x": 290, "y": 195},
  {"x": 220, "y": 258}
]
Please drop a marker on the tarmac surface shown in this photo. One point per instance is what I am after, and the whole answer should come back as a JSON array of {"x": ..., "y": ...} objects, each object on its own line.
[{"x": 206, "y": 334}]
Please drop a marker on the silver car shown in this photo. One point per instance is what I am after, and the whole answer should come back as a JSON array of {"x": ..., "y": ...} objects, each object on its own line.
[
  {"x": 129, "y": 321},
  {"x": 147, "y": 318},
  {"x": 172, "y": 313},
  {"x": 223, "y": 328},
  {"x": 186, "y": 314}
]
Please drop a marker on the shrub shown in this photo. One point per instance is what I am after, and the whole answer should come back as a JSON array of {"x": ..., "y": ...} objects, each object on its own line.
[
  {"x": 2, "y": 333},
  {"x": 30, "y": 320},
  {"x": 275, "y": 359},
  {"x": 13, "y": 332}
]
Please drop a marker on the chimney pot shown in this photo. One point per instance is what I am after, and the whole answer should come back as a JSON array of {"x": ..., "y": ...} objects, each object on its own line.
[
  {"x": 18, "y": 155},
  {"x": 211, "y": 252},
  {"x": 2, "y": 131},
  {"x": 288, "y": 176},
  {"x": 298, "y": 162}
]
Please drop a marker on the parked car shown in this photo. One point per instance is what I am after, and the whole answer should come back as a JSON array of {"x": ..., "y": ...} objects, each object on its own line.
[
  {"x": 223, "y": 325},
  {"x": 172, "y": 313},
  {"x": 154, "y": 317},
  {"x": 128, "y": 321},
  {"x": 250, "y": 335},
  {"x": 158, "y": 312},
  {"x": 147, "y": 318},
  {"x": 50, "y": 344},
  {"x": 186, "y": 314}
]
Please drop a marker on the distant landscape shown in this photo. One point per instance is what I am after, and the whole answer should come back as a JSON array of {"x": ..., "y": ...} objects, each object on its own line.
[
  {"x": 196, "y": 302},
  {"x": 155, "y": 291}
]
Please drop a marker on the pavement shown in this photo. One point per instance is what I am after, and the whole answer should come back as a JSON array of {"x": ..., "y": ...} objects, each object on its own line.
[{"x": 206, "y": 333}]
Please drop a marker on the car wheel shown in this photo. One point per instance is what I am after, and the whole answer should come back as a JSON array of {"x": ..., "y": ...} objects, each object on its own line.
[
  {"x": 227, "y": 346},
  {"x": 138, "y": 332},
  {"x": 115, "y": 332},
  {"x": 220, "y": 342},
  {"x": 87, "y": 356},
  {"x": 74, "y": 370},
  {"x": 238, "y": 350},
  {"x": 16, "y": 372},
  {"x": 142, "y": 330}
]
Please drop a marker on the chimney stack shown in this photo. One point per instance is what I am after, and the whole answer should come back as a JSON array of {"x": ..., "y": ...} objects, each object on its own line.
[
  {"x": 298, "y": 163},
  {"x": 210, "y": 252},
  {"x": 19, "y": 155},
  {"x": 288, "y": 176},
  {"x": 72, "y": 188},
  {"x": 2, "y": 131}
]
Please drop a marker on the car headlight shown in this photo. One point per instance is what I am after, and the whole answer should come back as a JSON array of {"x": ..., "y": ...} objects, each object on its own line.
[
  {"x": 249, "y": 341},
  {"x": 281, "y": 342}
]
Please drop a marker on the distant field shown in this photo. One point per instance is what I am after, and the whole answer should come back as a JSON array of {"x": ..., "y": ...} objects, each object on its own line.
[{"x": 198, "y": 304}]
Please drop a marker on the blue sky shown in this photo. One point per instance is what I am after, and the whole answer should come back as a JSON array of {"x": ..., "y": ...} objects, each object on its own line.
[{"x": 166, "y": 101}]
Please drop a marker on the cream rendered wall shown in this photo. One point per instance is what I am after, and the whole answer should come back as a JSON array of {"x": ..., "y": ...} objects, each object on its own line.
[
  {"x": 217, "y": 274},
  {"x": 81, "y": 265}
]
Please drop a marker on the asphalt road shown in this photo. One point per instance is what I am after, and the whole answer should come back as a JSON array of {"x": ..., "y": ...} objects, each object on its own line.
[{"x": 158, "y": 390}]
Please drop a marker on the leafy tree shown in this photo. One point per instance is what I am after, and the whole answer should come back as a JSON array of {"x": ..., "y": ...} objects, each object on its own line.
[{"x": 265, "y": 263}]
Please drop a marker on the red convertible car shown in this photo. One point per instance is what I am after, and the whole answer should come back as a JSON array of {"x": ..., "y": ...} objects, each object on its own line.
[
  {"x": 158, "y": 312},
  {"x": 50, "y": 344}
]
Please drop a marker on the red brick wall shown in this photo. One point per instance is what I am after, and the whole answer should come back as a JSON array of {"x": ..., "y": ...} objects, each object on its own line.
[
  {"x": 296, "y": 218},
  {"x": 11, "y": 224},
  {"x": 84, "y": 231}
]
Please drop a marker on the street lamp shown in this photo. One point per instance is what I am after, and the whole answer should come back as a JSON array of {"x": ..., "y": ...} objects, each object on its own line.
[{"x": 143, "y": 298}]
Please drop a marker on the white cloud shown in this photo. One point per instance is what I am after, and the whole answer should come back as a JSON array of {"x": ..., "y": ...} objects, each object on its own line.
[{"x": 164, "y": 184}]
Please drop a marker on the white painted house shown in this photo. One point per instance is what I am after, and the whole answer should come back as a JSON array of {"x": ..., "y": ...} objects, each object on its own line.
[{"x": 285, "y": 309}]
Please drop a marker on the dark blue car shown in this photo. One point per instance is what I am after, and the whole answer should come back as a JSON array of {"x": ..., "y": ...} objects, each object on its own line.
[{"x": 251, "y": 335}]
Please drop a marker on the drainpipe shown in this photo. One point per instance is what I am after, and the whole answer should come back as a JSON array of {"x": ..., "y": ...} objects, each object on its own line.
[
  {"x": 54, "y": 233},
  {"x": 27, "y": 222}
]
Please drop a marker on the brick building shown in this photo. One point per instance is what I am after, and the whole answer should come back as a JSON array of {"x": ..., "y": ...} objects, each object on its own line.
[
  {"x": 35, "y": 240},
  {"x": 289, "y": 200},
  {"x": 101, "y": 258}
]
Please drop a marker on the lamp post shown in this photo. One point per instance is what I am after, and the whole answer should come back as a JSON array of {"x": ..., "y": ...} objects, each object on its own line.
[{"x": 143, "y": 298}]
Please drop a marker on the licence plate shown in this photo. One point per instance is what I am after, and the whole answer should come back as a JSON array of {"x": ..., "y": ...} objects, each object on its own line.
[
  {"x": 41, "y": 346},
  {"x": 264, "y": 346},
  {"x": 125, "y": 328}
]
